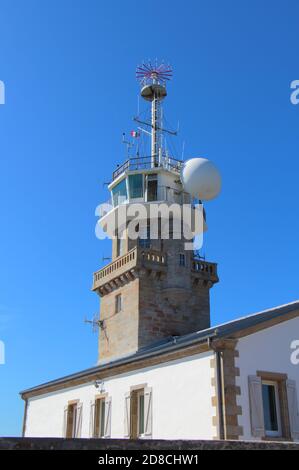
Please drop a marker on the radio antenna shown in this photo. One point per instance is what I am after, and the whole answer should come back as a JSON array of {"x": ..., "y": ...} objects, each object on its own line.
[
  {"x": 95, "y": 322},
  {"x": 152, "y": 79}
]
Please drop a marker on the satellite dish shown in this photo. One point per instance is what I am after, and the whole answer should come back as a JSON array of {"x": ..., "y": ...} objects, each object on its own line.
[{"x": 201, "y": 178}]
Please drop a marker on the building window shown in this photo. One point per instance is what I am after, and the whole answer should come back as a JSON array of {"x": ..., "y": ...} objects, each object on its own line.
[
  {"x": 140, "y": 412},
  {"x": 145, "y": 243},
  {"x": 100, "y": 419},
  {"x": 120, "y": 244},
  {"x": 145, "y": 235},
  {"x": 118, "y": 303},
  {"x": 182, "y": 259},
  {"x": 136, "y": 186},
  {"x": 137, "y": 413},
  {"x": 72, "y": 419},
  {"x": 271, "y": 407},
  {"x": 119, "y": 193},
  {"x": 152, "y": 188}
]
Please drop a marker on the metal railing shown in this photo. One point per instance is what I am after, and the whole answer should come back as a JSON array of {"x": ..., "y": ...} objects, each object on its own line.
[{"x": 147, "y": 163}]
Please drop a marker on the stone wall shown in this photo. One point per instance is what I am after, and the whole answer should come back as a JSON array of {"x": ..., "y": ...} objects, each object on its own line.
[
  {"x": 29, "y": 443},
  {"x": 158, "y": 300},
  {"x": 119, "y": 332}
]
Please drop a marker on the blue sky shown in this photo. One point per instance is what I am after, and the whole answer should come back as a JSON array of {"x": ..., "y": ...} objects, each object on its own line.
[{"x": 69, "y": 71}]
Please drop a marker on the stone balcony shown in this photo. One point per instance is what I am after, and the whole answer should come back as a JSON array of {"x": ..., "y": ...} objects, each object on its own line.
[
  {"x": 124, "y": 268},
  {"x": 204, "y": 271}
]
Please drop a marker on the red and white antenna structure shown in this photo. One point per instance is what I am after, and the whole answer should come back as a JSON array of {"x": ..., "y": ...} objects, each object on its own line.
[{"x": 148, "y": 73}]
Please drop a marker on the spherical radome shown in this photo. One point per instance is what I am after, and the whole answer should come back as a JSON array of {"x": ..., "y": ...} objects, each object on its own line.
[{"x": 201, "y": 178}]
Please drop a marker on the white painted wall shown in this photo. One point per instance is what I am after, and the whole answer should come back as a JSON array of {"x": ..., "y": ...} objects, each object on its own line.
[
  {"x": 182, "y": 405},
  {"x": 268, "y": 350}
]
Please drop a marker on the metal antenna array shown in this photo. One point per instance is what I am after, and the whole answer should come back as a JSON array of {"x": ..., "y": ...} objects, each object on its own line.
[
  {"x": 95, "y": 322},
  {"x": 153, "y": 78}
]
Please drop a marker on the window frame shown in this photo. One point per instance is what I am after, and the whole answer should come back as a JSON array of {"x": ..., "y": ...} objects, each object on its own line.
[
  {"x": 70, "y": 432},
  {"x": 145, "y": 243},
  {"x": 118, "y": 303},
  {"x": 120, "y": 196},
  {"x": 121, "y": 240},
  {"x": 279, "y": 432},
  {"x": 150, "y": 179},
  {"x": 135, "y": 393},
  {"x": 281, "y": 380},
  {"x": 130, "y": 186},
  {"x": 140, "y": 429},
  {"x": 100, "y": 417},
  {"x": 182, "y": 256}
]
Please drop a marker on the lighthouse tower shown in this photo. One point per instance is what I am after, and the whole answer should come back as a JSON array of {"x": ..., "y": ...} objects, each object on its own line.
[{"x": 155, "y": 287}]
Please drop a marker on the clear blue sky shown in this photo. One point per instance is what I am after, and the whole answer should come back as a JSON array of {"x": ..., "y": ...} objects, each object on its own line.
[{"x": 69, "y": 71}]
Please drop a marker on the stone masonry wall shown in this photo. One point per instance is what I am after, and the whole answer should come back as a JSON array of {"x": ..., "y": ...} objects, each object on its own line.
[
  {"x": 104, "y": 445},
  {"x": 156, "y": 303},
  {"x": 119, "y": 332}
]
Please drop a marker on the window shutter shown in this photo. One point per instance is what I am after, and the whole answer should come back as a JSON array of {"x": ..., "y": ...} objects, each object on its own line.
[
  {"x": 64, "y": 421},
  {"x": 293, "y": 408},
  {"x": 107, "y": 430},
  {"x": 78, "y": 420},
  {"x": 92, "y": 419},
  {"x": 256, "y": 406},
  {"x": 128, "y": 415},
  {"x": 148, "y": 411}
]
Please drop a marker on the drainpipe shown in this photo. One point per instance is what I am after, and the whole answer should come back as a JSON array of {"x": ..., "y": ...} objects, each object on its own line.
[
  {"x": 219, "y": 387},
  {"x": 25, "y": 417}
]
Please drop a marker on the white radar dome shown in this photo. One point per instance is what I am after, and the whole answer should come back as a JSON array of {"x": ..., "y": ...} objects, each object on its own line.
[{"x": 201, "y": 178}]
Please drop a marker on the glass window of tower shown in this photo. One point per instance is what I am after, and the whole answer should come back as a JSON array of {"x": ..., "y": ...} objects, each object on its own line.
[
  {"x": 119, "y": 193},
  {"x": 145, "y": 235},
  {"x": 152, "y": 188},
  {"x": 136, "y": 186}
]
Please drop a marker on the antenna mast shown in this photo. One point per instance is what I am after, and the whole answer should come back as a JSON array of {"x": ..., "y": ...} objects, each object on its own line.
[{"x": 153, "y": 88}]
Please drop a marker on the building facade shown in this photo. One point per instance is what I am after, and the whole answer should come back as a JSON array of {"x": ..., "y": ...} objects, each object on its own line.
[{"x": 235, "y": 381}]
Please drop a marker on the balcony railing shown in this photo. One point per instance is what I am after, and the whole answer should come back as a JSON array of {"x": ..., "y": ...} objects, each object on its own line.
[
  {"x": 204, "y": 269},
  {"x": 135, "y": 258},
  {"x": 111, "y": 270},
  {"x": 147, "y": 163},
  {"x": 150, "y": 259}
]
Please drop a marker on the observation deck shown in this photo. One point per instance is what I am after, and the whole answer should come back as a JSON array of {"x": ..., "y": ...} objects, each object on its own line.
[{"x": 148, "y": 163}]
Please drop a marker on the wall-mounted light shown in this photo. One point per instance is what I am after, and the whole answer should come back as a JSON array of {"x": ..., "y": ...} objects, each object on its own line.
[{"x": 99, "y": 385}]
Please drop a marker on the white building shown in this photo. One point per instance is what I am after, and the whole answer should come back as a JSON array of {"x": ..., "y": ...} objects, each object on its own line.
[
  {"x": 163, "y": 371},
  {"x": 239, "y": 380}
]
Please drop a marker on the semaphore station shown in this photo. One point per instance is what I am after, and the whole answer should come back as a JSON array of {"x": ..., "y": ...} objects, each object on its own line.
[{"x": 163, "y": 371}]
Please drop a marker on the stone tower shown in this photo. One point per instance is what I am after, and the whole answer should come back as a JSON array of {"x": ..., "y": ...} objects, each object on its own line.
[{"x": 154, "y": 287}]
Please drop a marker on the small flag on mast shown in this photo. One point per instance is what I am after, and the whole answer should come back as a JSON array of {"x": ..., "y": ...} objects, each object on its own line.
[{"x": 135, "y": 134}]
